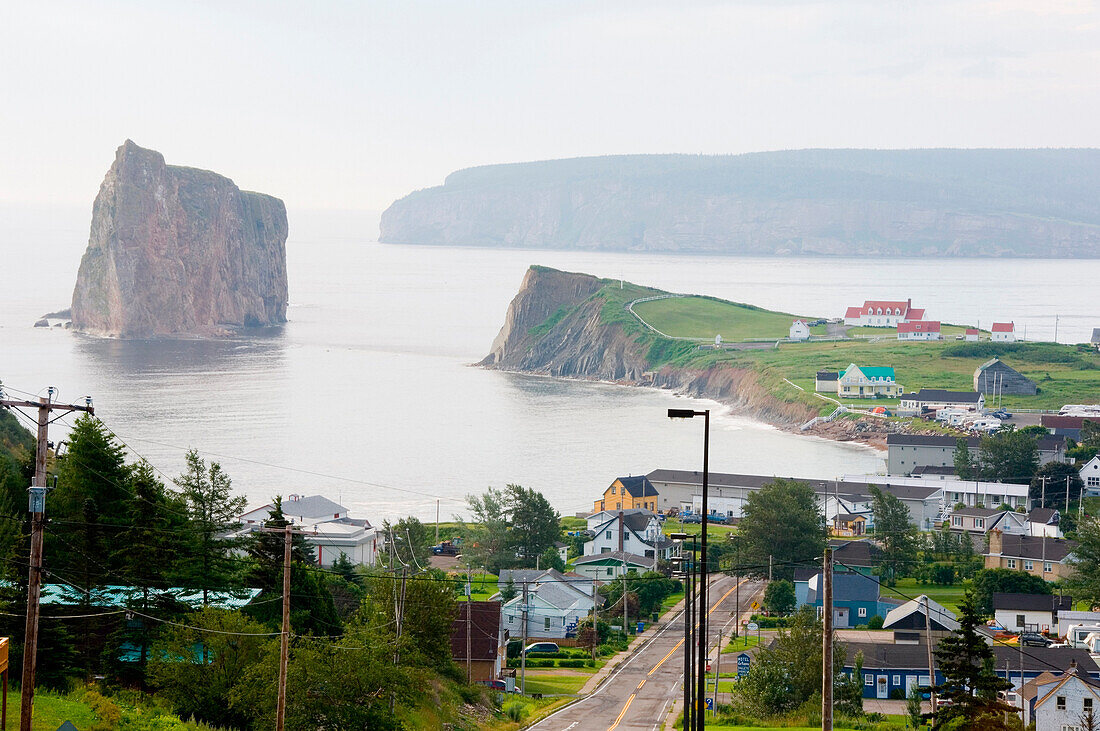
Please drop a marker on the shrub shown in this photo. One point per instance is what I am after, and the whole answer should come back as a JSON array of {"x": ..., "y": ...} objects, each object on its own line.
[
  {"x": 515, "y": 712},
  {"x": 875, "y": 622},
  {"x": 897, "y": 694},
  {"x": 572, "y": 663}
]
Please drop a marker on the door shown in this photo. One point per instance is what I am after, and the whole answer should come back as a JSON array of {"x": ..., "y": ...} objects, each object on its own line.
[
  {"x": 840, "y": 617},
  {"x": 910, "y": 683},
  {"x": 883, "y": 688}
]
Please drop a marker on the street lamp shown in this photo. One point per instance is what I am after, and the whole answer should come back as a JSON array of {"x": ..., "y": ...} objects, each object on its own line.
[
  {"x": 701, "y": 690},
  {"x": 689, "y": 651}
]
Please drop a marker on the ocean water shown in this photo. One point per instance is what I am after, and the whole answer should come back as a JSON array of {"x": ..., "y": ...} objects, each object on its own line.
[{"x": 367, "y": 395}]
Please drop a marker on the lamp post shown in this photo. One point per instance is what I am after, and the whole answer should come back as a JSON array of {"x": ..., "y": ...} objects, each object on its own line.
[
  {"x": 686, "y": 570},
  {"x": 701, "y": 689}
]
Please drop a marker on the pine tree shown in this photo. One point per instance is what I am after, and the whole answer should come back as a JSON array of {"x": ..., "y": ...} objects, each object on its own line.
[
  {"x": 213, "y": 509},
  {"x": 970, "y": 685}
]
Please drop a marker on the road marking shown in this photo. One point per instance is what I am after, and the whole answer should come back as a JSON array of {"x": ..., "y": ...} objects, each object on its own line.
[
  {"x": 570, "y": 726},
  {"x": 622, "y": 712},
  {"x": 641, "y": 684}
]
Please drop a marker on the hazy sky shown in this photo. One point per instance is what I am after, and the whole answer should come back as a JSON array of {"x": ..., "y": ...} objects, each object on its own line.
[{"x": 349, "y": 105}]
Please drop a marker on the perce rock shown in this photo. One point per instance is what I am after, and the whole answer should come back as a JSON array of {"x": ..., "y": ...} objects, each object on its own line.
[{"x": 176, "y": 251}]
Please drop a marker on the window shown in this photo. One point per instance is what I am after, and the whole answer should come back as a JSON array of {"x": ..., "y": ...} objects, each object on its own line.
[
  {"x": 511, "y": 618},
  {"x": 607, "y": 534},
  {"x": 862, "y": 612},
  {"x": 626, "y": 537},
  {"x": 897, "y": 680},
  {"x": 1012, "y": 563},
  {"x": 1029, "y": 565},
  {"x": 956, "y": 520},
  {"x": 1060, "y": 702},
  {"x": 1093, "y": 481},
  {"x": 868, "y": 679},
  {"x": 609, "y": 572},
  {"x": 546, "y": 625},
  {"x": 1087, "y": 705},
  {"x": 979, "y": 522},
  {"x": 1048, "y": 567},
  {"x": 605, "y": 549},
  {"x": 612, "y": 489},
  {"x": 1020, "y": 620}
]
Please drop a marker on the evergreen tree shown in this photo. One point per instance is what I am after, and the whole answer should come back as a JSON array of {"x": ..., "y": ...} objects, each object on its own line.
[
  {"x": 896, "y": 535},
  {"x": 966, "y": 661},
  {"x": 214, "y": 510},
  {"x": 534, "y": 524},
  {"x": 965, "y": 465}
]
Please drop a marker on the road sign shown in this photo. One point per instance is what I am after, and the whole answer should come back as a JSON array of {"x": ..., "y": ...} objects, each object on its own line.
[
  {"x": 756, "y": 605},
  {"x": 752, "y": 626},
  {"x": 710, "y": 704},
  {"x": 743, "y": 662},
  {"x": 744, "y": 622}
]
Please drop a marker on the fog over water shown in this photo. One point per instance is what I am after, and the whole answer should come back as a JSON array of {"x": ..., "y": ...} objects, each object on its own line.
[{"x": 367, "y": 396}]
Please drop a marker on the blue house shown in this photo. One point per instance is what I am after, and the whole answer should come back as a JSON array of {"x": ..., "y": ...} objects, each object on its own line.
[
  {"x": 890, "y": 668},
  {"x": 855, "y": 597}
]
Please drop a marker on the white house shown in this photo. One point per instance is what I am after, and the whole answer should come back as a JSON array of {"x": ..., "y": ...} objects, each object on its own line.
[
  {"x": 1044, "y": 522},
  {"x": 972, "y": 334},
  {"x": 882, "y": 313},
  {"x": 1004, "y": 332},
  {"x": 610, "y": 566},
  {"x": 799, "y": 330},
  {"x": 934, "y": 399},
  {"x": 1090, "y": 475},
  {"x": 554, "y": 607},
  {"x": 1029, "y": 612},
  {"x": 868, "y": 382},
  {"x": 921, "y": 330},
  {"x": 1060, "y": 703},
  {"x": 326, "y": 526},
  {"x": 634, "y": 531}
]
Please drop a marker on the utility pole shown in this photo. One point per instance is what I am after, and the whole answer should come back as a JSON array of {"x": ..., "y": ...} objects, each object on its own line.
[
  {"x": 827, "y": 645},
  {"x": 688, "y": 603},
  {"x": 692, "y": 629},
  {"x": 284, "y": 649},
  {"x": 437, "y": 522},
  {"x": 523, "y": 646},
  {"x": 37, "y": 509},
  {"x": 717, "y": 667},
  {"x": 928, "y": 644},
  {"x": 626, "y": 621},
  {"x": 1043, "y": 504},
  {"x": 469, "y": 608},
  {"x": 1067, "y": 495},
  {"x": 769, "y": 568}
]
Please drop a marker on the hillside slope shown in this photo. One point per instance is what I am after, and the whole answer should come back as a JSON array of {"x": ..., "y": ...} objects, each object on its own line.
[{"x": 1032, "y": 203}]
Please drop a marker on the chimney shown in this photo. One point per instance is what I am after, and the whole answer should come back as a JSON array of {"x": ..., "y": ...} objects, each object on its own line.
[
  {"x": 995, "y": 542},
  {"x": 621, "y": 528}
]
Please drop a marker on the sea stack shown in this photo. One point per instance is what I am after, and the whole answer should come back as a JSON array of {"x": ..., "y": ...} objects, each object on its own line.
[{"x": 176, "y": 251}]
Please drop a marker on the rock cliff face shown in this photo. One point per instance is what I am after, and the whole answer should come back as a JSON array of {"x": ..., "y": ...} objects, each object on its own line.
[
  {"x": 555, "y": 327},
  {"x": 179, "y": 251},
  {"x": 1031, "y": 203}
]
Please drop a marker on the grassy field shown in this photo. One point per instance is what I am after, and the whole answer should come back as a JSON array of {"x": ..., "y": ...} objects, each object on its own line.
[
  {"x": 714, "y": 530},
  {"x": 557, "y": 681},
  {"x": 1064, "y": 373},
  {"x": 703, "y": 317},
  {"x": 741, "y": 643},
  {"x": 948, "y": 596},
  {"x": 51, "y": 710}
]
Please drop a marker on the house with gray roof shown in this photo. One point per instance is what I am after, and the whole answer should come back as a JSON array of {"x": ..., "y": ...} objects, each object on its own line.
[
  {"x": 325, "y": 525},
  {"x": 633, "y": 531},
  {"x": 995, "y": 378},
  {"x": 555, "y": 605},
  {"x": 612, "y": 564}
]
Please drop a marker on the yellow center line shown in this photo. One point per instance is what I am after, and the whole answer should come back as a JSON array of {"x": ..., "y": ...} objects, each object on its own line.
[
  {"x": 622, "y": 713},
  {"x": 661, "y": 662}
]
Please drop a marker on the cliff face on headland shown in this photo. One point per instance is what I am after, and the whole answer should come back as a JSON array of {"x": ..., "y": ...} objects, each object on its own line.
[
  {"x": 561, "y": 324},
  {"x": 1029, "y": 203},
  {"x": 179, "y": 251}
]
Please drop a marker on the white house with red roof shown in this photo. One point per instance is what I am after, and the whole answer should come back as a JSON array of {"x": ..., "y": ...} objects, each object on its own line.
[
  {"x": 881, "y": 313},
  {"x": 972, "y": 334},
  {"x": 800, "y": 330},
  {"x": 922, "y": 330},
  {"x": 1004, "y": 332}
]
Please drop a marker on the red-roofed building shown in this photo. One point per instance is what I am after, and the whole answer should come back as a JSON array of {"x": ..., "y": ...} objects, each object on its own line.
[
  {"x": 882, "y": 313},
  {"x": 1004, "y": 332},
  {"x": 972, "y": 334},
  {"x": 919, "y": 331}
]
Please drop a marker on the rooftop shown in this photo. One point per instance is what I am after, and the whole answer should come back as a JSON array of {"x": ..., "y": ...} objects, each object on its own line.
[
  {"x": 1003, "y": 327},
  {"x": 1032, "y": 602},
  {"x": 638, "y": 486}
]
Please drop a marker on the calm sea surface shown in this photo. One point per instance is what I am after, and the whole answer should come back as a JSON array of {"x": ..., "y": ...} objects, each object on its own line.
[{"x": 366, "y": 395}]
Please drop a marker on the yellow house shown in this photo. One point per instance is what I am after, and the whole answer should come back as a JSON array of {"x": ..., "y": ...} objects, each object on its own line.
[{"x": 628, "y": 493}]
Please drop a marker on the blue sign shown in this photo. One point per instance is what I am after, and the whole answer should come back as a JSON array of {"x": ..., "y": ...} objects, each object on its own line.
[
  {"x": 710, "y": 704},
  {"x": 743, "y": 661}
]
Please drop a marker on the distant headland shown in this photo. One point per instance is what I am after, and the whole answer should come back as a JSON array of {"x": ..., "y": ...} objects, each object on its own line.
[
  {"x": 935, "y": 202},
  {"x": 176, "y": 251}
]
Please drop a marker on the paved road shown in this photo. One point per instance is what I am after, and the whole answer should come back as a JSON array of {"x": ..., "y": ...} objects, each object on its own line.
[{"x": 639, "y": 693}]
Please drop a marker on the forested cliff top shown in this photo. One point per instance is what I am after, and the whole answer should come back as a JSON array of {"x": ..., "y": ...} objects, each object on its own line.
[{"x": 1032, "y": 203}]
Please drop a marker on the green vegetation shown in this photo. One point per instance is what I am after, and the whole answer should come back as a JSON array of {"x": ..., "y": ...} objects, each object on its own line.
[
  {"x": 1064, "y": 373},
  {"x": 705, "y": 317},
  {"x": 906, "y": 589}
]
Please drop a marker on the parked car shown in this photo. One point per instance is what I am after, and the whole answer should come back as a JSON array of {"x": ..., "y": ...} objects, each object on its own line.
[
  {"x": 537, "y": 647},
  {"x": 1034, "y": 639},
  {"x": 691, "y": 518}
]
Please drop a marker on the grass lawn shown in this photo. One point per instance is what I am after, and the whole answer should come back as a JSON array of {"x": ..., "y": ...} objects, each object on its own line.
[
  {"x": 670, "y": 601},
  {"x": 714, "y": 530},
  {"x": 742, "y": 643},
  {"x": 534, "y": 710},
  {"x": 703, "y": 317},
  {"x": 557, "y": 681},
  {"x": 482, "y": 586},
  {"x": 50, "y": 711},
  {"x": 948, "y": 596}
]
